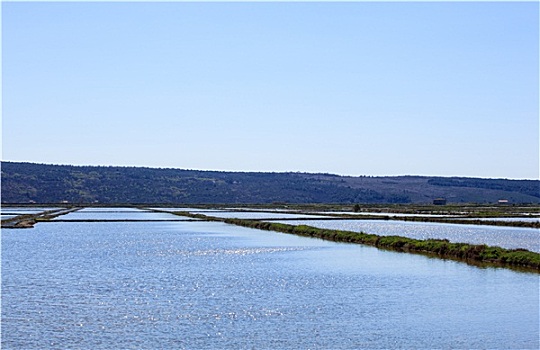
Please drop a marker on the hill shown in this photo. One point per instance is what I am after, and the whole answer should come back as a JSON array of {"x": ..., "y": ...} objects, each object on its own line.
[{"x": 42, "y": 183}]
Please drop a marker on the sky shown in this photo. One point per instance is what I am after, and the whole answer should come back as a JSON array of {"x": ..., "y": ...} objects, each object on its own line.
[{"x": 351, "y": 88}]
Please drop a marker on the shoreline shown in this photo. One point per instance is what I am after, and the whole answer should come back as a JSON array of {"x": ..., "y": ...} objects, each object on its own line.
[{"x": 472, "y": 254}]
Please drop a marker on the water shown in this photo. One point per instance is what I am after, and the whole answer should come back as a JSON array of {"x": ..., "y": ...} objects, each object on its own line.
[
  {"x": 265, "y": 209},
  {"x": 202, "y": 285},
  {"x": 24, "y": 211},
  {"x": 11, "y": 212},
  {"x": 111, "y": 210},
  {"x": 387, "y": 214},
  {"x": 118, "y": 214},
  {"x": 261, "y": 215},
  {"x": 192, "y": 210},
  {"x": 505, "y": 237},
  {"x": 536, "y": 219}
]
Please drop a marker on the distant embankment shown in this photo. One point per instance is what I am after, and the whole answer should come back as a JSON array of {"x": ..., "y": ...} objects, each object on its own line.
[
  {"x": 476, "y": 254},
  {"x": 42, "y": 183},
  {"x": 442, "y": 248}
]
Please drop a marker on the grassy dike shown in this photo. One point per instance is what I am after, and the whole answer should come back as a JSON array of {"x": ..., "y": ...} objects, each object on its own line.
[{"x": 469, "y": 253}]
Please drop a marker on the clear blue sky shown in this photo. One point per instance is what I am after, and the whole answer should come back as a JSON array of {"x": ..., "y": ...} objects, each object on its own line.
[{"x": 356, "y": 88}]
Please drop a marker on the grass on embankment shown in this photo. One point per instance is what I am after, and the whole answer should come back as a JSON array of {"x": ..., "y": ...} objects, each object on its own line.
[
  {"x": 474, "y": 254},
  {"x": 469, "y": 253}
]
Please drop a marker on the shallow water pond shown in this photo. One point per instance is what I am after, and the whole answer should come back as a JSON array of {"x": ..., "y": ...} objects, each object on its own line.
[
  {"x": 203, "y": 285},
  {"x": 505, "y": 237}
]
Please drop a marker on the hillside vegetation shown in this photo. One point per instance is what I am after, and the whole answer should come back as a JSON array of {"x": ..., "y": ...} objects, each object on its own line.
[{"x": 41, "y": 183}]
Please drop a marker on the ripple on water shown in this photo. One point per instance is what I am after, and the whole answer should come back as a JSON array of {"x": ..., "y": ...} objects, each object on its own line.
[
  {"x": 505, "y": 237},
  {"x": 199, "y": 285}
]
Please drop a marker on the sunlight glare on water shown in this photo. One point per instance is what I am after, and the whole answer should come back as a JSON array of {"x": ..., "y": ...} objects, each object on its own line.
[
  {"x": 505, "y": 237},
  {"x": 201, "y": 285}
]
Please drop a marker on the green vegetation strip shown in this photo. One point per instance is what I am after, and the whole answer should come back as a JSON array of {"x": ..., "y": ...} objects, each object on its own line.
[
  {"x": 473, "y": 221},
  {"x": 442, "y": 220},
  {"x": 470, "y": 253},
  {"x": 473, "y": 254}
]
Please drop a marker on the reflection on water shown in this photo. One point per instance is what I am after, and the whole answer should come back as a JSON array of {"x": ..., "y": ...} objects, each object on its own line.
[
  {"x": 260, "y": 215},
  {"x": 505, "y": 237},
  {"x": 534, "y": 219},
  {"x": 111, "y": 210},
  {"x": 24, "y": 211},
  {"x": 191, "y": 210},
  {"x": 201, "y": 285},
  {"x": 117, "y": 214},
  {"x": 386, "y": 214}
]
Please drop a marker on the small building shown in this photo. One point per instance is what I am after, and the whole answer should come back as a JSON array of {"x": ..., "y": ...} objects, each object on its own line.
[{"x": 439, "y": 201}]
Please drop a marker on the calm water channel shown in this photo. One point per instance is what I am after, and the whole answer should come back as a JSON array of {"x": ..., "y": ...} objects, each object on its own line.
[
  {"x": 201, "y": 285},
  {"x": 505, "y": 237}
]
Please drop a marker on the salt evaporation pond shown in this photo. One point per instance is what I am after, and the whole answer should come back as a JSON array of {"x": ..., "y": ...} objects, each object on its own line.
[
  {"x": 261, "y": 215},
  {"x": 25, "y": 211},
  {"x": 386, "y": 214},
  {"x": 528, "y": 219},
  {"x": 111, "y": 210},
  {"x": 505, "y": 237},
  {"x": 194, "y": 210},
  {"x": 118, "y": 214},
  {"x": 209, "y": 285}
]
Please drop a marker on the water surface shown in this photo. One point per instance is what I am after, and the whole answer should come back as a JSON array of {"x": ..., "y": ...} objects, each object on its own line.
[
  {"x": 24, "y": 211},
  {"x": 207, "y": 285},
  {"x": 261, "y": 215},
  {"x": 118, "y": 214},
  {"x": 528, "y": 219},
  {"x": 505, "y": 237}
]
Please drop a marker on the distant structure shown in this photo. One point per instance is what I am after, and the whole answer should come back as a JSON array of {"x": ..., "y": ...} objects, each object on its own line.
[
  {"x": 503, "y": 201},
  {"x": 439, "y": 201}
]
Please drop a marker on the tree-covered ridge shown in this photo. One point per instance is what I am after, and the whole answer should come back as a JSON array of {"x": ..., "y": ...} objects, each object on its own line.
[
  {"x": 41, "y": 183},
  {"x": 529, "y": 187}
]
